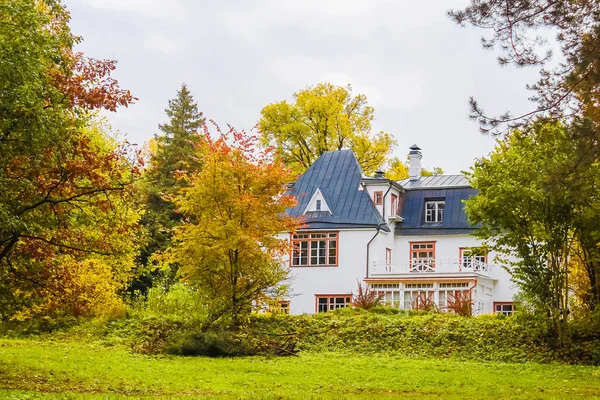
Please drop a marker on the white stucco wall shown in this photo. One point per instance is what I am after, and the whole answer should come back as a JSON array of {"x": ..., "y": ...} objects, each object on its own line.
[{"x": 306, "y": 282}]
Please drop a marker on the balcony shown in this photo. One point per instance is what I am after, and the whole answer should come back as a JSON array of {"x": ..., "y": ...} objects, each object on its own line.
[{"x": 424, "y": 266}]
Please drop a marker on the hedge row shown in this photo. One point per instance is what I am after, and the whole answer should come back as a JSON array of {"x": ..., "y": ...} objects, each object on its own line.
[{"x": 487, "y": 337}]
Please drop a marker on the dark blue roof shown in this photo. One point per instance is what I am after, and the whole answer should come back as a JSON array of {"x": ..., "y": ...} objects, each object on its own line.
[
  {"x": 454, "y": 220},
  {"x": 337, "y": 174}
]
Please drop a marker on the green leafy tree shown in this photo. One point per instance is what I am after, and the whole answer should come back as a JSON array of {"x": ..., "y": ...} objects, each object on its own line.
[
  {"x": 234, "y": 208},
  {"x": 64, "y": 184},
  {"x": 537, "y": 193},
  {"x": 324, "y": 118},
  {"x": 174, "y": 151}
]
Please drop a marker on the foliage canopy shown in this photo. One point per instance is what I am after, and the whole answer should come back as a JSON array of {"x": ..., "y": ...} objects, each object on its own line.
[
  {"x": 537, "y": 201},
  {"x": 233, "y": 210},
  {"x": 323, "y": 118},
  {"x": 65, "y": 188}
]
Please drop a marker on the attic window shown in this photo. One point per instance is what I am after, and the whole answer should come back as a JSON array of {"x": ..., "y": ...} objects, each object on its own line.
[
  {"x": 318, "y": 206},
  {"x": 378, "y": 198},
  {"x": 434, "y": 211}
]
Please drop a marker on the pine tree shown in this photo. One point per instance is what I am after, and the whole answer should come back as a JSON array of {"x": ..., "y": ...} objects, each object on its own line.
[
  {"x": 175, "y": 151},
  {"x": 176, "y": 146}
]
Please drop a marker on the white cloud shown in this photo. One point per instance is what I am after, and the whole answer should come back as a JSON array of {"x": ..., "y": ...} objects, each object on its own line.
[
  {"x": 340, "y": 8},
  {"x": 172, "y": 9},
  {"x": 156, "y": 41}
]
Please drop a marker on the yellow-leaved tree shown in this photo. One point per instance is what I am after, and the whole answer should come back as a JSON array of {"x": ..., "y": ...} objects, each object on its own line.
[
  {"x": 323, "y": 118},
  {"x": 233, "y": 209}
]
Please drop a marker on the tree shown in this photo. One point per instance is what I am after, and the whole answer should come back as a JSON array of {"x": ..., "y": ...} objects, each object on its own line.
[
  {"x": 174, "y": 151},
  {"x": 572, "y": 88},
  {"x": 398, "y": 170},
  {"x": 233, "y": 209},
  {"x": 537, "y": 192},
  {"x": 64, "y": 184},
  {"x": 324, "y": 118},
  {"x": 177, "y": 145}
]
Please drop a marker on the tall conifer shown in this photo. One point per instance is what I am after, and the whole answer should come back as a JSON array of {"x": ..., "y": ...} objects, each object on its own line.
[{"x": 174, "y": 151}]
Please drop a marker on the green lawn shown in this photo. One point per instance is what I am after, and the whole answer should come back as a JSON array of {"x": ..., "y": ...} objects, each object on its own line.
[{"x": 45, "y": 370}]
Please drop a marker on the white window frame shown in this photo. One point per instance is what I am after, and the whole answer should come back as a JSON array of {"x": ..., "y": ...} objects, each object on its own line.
[{"x": 435, "y": 214}]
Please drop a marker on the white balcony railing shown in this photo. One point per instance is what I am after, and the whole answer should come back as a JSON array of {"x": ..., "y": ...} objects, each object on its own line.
[{"x": 430, "y": 265}]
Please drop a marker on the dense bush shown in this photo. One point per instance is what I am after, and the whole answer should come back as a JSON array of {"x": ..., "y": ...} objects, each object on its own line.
[
  {"x": 488, "y": 337},
  {"x": 180, "y": 330}
]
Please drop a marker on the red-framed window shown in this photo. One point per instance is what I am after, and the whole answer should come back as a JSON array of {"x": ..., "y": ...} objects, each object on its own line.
[
  {"x": 505, "y": 307},
  {"x": 329, "y": 302},
  {"x": 315, "y": 249},
  {"x": 422, "y": 256},
  {"x": 378, "y": 198},
  {"x": 284, "y": 306},
  {"x": 394, "y": 209}
]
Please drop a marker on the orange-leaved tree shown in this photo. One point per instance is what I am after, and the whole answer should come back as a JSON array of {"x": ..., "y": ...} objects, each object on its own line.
[{"x": 234, "y": 208}]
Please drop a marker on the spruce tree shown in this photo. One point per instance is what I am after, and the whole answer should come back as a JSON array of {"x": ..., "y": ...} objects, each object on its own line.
[{"x": 176, "y": 147}]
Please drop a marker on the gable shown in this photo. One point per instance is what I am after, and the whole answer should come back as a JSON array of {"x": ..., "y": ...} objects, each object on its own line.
[
  {"x": 318, "y": 203},
  {"x": 336, "y": 175}
]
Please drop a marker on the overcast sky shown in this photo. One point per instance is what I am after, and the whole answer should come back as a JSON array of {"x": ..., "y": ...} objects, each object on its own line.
[{"x": 416, "y": 67}]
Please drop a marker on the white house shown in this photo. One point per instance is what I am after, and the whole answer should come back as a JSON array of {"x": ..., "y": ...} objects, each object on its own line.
[{"x": 409, "y": 240}]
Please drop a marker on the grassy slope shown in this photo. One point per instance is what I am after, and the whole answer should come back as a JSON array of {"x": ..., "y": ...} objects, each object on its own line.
[{"x": 30, "y": 369}]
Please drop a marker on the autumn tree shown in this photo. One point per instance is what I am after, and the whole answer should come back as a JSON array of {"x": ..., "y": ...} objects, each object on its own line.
[
  {"x": 233, "y": 209},
  {"x": 520, "y": 30},
  {"x": 65, "y": 186},
  {"x": 174, "y": 151},
  {"x": 537, "y": 196},
  {"x": 322, "y": 118}
]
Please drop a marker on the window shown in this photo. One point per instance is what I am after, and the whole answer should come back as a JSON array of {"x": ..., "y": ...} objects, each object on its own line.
[
  {"x": 454, "y": 291},
  {"x": 284, "y": 307},
  {"x": 418, "y": 296},
  {"x": 314, "y": 249},
  {"x": 504, "y": 308},
  {"x": 422, "y": 256},
  {"x": 389, "y": 293},
  {"x": 333, "y": 302},
  {"x": 388, "y": 256},
  {"x": 434, "y": 211},
  {"x": 378, "y": 198},
  {"x": 385, "y": 286},
  {"x": 473, "y": 259},
  {"x": 394, "y": 210},
  {"x": 318, "y": 205}
]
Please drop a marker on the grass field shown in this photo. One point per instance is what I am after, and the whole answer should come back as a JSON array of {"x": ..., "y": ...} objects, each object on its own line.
[{"x": 46, "y": 370}]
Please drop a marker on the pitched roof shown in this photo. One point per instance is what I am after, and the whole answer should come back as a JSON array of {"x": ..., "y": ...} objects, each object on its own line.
[
  {"x": 337, "y": 174},
  {"x": 439, "y": 181}
]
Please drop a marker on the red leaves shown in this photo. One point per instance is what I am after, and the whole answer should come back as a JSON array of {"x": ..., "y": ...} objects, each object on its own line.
[{"x": 89, "y": 85}]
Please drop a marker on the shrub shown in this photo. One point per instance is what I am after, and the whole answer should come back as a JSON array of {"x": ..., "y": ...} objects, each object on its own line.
[
  {"x": 461, "y": 303},
  {"x": 212, "y": 343},
  {"x": 366, "y": 298}
]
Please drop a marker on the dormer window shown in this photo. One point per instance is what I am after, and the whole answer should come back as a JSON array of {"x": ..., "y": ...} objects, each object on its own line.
[
  {"x": 434, "y": 211},
  {"x": 318, "y": 206}
]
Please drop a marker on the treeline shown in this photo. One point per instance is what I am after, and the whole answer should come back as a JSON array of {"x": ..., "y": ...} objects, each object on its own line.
[{"x": 89, "y": 224}]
